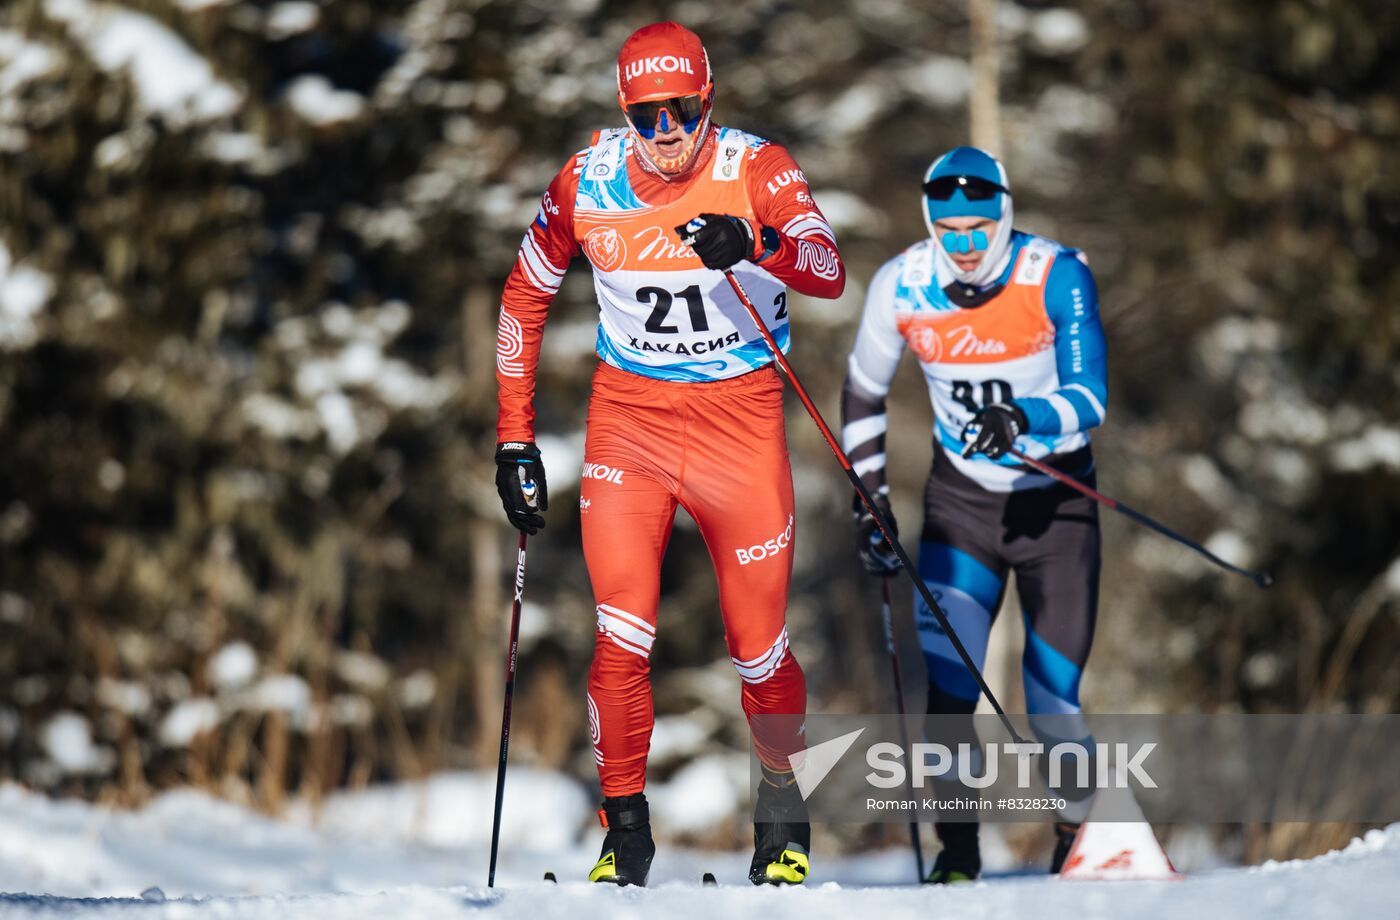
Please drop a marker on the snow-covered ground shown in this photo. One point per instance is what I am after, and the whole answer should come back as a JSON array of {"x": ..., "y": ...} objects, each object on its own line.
[{"x": 418, "y": 851}]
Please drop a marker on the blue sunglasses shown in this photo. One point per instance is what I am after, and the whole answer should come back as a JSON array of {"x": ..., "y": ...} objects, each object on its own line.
[{"x": 663, "y": 114}]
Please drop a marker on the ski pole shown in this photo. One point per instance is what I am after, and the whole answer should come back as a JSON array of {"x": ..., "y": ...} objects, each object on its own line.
[
  {"x": 881, "y": 521},
  {"x": 511, "y": 659},
  {"x": 1262, "y": 579},
  {"x": 888, "y": 610}
]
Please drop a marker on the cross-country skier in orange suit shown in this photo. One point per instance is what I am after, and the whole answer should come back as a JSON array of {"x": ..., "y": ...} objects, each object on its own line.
[{"x": 686, "y": 410}]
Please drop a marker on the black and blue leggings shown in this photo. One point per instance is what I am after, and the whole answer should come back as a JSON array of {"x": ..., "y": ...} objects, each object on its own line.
[{"x": 972, "y": 539}]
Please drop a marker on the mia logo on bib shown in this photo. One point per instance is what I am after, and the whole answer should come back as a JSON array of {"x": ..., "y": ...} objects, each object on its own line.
[
  {"x": 658, "y": 245},
  {"x": 605, "y": 248},
  {"x": 965, "y": 342}
]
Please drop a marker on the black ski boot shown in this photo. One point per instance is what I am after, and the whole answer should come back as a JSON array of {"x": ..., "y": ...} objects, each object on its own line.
[
  {"x": 1065, "y": 833},
  {"x": 960, "y": 860},
  {"x": 628, "y": 847},
  {"x": 781, "y": 834}
]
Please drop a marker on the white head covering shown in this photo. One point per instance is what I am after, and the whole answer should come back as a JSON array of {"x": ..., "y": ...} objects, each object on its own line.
[{"x": 998, "y": 247}]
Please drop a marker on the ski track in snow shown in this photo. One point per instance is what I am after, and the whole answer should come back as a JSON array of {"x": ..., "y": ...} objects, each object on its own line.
[{"x": 212, "y": 859}]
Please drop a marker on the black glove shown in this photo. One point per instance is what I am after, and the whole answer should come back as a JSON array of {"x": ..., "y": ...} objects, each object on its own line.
[
  {"x": 520, "y": 481},
  {"x": 720, "y": 240},
  {"x": 994, "y": 430},
  {"x": 874, "y": 550}
]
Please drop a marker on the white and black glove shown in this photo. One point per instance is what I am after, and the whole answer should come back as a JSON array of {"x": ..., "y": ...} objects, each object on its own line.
[
  {"x": 993, "y": 431},
  {"x": 720, "y": 240},
  {"x": 874, "y": 550},
  {"x": 521, "y": 484}
]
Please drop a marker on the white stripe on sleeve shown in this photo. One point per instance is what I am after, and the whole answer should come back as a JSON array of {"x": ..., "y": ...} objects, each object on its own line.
[
  {"x": 549, "y": 276},
  {"x": 869, "y": 464},
  {"x": 858, "y": 432},
  {"x": 864, "y": 380},
  {"x": 1088, "y": 394},
  {"x": 1069, "y": 419}
]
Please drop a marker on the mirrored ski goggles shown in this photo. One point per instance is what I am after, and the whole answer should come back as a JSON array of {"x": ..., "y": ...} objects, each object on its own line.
[
  {"x": 974, "y": 188},
  {"x": 664, "y": 114}
]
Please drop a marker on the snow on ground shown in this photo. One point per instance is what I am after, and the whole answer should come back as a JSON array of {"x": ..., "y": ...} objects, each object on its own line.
[{"x": 420, "y": 851}]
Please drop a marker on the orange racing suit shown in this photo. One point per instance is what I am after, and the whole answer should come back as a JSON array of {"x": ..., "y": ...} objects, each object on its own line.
[{"x": 686, "y": 410}]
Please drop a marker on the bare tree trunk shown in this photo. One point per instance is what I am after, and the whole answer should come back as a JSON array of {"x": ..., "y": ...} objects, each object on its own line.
[
  {"x": 986, "y": 96},
  {"x": 272, "y": 778}
]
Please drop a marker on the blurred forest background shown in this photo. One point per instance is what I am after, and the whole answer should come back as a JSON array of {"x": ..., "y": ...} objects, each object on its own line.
[{"x": 251, "y": 256}]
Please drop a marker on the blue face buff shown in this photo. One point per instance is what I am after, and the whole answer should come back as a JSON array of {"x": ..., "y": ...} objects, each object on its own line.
[{"x": 965, "y": 242}]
